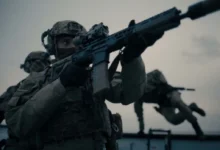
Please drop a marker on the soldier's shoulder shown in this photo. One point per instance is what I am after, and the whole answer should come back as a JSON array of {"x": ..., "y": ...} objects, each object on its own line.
[
  {"x": 156, "y": 71},
  {"x": 35, "y": 76},
  {"x": 10, "y": 89},
  {"x": 27, "y": 88},
  {"x": 33, "y": 80}
]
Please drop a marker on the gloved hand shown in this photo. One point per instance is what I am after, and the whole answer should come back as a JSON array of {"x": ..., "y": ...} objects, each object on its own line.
[
  {"x": 75, "y": 74},
  {"x": 138, "y": 43}
]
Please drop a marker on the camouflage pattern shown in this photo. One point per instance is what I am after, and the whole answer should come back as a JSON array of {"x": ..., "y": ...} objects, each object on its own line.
[
  {"x": 12, "y": 142},
  {"x": 4, "y": 99},
  {"x": 42, "y": 106},
  {"x": 154, "y": 79},
  {"x": 37, "y": 55},
  {"x": 177, "y": 102},
  {"x": 158, "y": 91},
  {"x": 67, "y": 27},
  {"x": 173, "y": 117},
  {"x": 36, "y": 61}
]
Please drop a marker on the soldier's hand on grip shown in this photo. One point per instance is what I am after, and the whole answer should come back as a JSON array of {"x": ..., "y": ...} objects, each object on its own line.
[
  {"x": 75, "y": 74},
  {"x": 138, "y": 43}
]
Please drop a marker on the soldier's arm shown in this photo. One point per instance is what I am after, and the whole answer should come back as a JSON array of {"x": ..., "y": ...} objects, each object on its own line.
[
  {"x": 131, "y": 85},
  {"x": 6, "y": 96},
  {"x": 24, "y": 118}
]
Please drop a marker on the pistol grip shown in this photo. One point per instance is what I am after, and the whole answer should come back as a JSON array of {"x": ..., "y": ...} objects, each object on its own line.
[{"x": 100, "y": 80}]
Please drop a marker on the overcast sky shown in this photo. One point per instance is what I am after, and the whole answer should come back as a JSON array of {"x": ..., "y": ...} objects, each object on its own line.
[{"x": 188, "y": 55}]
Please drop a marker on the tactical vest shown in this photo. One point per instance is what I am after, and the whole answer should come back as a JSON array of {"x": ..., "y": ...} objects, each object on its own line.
[
  {"x": 27, "y": 88},
  {"x": 78, "y": 115},
  {"x": 155, "y": 78}
]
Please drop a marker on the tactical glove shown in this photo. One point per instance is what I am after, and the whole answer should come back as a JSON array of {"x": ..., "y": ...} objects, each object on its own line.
[
  {"x": 138, "y": 43},
  {"x": 75, "y": 74}
]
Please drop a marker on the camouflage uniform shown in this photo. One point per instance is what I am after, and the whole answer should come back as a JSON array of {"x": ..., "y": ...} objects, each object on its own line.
[
  {"x": 35, "y": 62},
  {"x": 4, "y": 99},
  {"x": 42, "y": 111},
  {"x": 158, "y": 91}
]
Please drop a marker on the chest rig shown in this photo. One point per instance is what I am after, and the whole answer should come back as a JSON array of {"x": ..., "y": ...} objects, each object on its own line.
[{"x": 78, "y": 115}]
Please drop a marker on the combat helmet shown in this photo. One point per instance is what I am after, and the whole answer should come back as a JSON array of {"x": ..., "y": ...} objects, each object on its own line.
[
  {"x": 33, "y": 56},
  {"x": 66, "y": 27}
]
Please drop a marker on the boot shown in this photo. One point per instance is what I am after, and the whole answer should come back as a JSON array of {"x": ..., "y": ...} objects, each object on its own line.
[
  {"x": 195, "y": 108},
  {"x": 198, "y": 131}
]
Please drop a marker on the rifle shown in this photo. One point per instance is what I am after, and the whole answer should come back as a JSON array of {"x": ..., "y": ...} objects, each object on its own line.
[
  {"x": 184, "y": 89},
  {"x": 100, "y": 48}
]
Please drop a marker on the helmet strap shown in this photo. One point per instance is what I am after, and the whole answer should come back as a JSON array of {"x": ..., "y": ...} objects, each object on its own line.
[
  {"x": 44, "y": 34},
  {"x": 56, "y": 48}
]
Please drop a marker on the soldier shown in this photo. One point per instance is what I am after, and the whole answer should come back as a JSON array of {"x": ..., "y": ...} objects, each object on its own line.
[
  {"x": 36, "y": 61},
  {"x": 56, "y": 109},
  {"x": 158, "y": 91}
]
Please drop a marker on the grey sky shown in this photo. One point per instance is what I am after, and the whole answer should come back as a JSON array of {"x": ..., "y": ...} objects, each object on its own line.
[
  {"x": 188, "y": 55},
  {"x": 206, "y": 49}
]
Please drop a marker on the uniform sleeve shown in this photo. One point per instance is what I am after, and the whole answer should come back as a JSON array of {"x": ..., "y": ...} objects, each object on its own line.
[
  {"x": 6, "y": 96},
  {"x": 24, "y": 117},
  {"x": 130, "y": 86}
]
